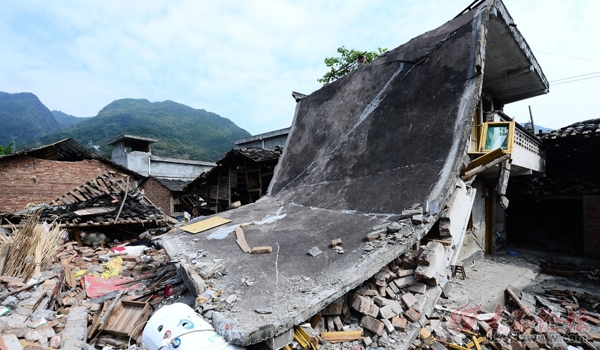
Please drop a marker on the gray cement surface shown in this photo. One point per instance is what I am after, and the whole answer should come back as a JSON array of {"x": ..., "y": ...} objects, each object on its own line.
[{"x": 360, "y": 151}]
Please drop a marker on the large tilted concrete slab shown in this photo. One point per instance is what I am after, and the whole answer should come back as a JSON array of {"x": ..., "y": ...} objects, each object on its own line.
[{"x": 360, "y": 151}]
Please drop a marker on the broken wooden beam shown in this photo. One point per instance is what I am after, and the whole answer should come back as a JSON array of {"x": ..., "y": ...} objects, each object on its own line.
[
  {"x": 343, "y": 336},
  {"x": 241, "y": 240},
  {"x": 261, "y": 250},
  {"x": 528, "y": 314}
]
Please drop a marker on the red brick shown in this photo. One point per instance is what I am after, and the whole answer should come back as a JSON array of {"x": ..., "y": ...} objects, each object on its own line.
[
  {"x": 24, "y": 179},
  {"x": 412, "y": 315},
  {"x": 372, "y": 324},
  {"x": 399, "y": 323}
]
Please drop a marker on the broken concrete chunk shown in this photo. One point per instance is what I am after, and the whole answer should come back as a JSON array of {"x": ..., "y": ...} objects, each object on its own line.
[
  {"x": 264, "y": 310},
  {"x": 412, "y": 212},
  {"x": 417, "y": 219},
  {"x": 388, "y": 325},
  {"x": 314, "y": 251},
  {"x": 338, "y": 249},
  {"x": 387, "y": 312},
  {"x": 394, "y": 227},
  {"x": 371, "y": 236}
]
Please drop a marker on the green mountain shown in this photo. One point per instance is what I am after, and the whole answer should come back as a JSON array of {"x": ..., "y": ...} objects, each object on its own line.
[
  {"x": 181, "y": 131},
  {"x": 23, "y": 118},
  {"x": 65, "y": 120}
]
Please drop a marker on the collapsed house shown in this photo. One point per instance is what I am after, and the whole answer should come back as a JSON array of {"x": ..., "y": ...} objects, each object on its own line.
[
  {"x": 108, "y": 201},
  {"x": 558, "y": 212},
  {"x": 243, "y": 175},
  {"x": 164, "y": 178},
  {"x": 376, "y": 175},
  {"x": 42, "y": 174},
  {"x": 168, "y": 195}
]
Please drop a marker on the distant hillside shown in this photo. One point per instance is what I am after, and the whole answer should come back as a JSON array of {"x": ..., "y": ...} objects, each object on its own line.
[
  {"x": 181, "y": 131},
  {"x": 65, "y": 120},
  {"x": 23, "y": 118}
]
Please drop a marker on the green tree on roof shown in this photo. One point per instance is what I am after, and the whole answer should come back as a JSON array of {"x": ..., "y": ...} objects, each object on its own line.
[
  {"x": 7, "y": 149},
  {"x": 348, "y": 61}
]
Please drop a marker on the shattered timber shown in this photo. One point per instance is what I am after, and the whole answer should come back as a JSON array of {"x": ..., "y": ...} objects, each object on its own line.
[{"x": 367, "y": 232}]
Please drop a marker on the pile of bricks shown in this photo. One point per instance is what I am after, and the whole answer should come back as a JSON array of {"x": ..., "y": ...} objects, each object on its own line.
[
  {"x": 61, "y": 312},
  {"x": 385, "y": 304}
]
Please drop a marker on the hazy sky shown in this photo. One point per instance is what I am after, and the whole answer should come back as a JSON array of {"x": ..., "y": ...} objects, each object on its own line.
[{"x": 242, "y": 59}]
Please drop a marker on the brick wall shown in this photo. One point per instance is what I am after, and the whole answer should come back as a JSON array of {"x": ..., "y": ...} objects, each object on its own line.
[
  {"x": 24, "y": 179},
  {"x": 158, "y": 194},
  {"x": 591, "y": 205}
]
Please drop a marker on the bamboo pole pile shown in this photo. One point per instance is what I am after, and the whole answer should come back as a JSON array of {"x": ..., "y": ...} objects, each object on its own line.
[{"x": 32, "y": 247}]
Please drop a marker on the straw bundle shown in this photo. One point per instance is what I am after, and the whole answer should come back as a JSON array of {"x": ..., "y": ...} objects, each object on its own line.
[{"x": 32, "y": 247}]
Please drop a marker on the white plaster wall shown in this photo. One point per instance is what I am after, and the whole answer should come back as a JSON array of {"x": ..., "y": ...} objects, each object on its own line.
[
  {"x": 177, "y": 171},
  {"x": 119, "y": 154},
  {"x": 138, "y": 162}
]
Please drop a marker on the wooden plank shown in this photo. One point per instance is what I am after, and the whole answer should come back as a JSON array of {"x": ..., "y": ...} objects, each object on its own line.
[
  {"x": 337, "y": 337},
  {"x": 469, "y": 174},
  {"x": 78, "y": 197},
  {"x": 484, "y": 159},
  {"x": 528, "y": 314},
  {"x": 94, "y": 211},
  {"x": 126, "y": 317},
  {"x": 262, "y": 250},
  {"x": 70, "y": 277},
  {"x": 91, "y": 190},
  {"x": 204, "y": 225},
  {"x": 241, "y": 240}
]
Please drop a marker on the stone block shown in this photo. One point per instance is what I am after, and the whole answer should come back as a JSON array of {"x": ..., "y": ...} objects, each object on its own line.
[{"x": 372, "y": 324}]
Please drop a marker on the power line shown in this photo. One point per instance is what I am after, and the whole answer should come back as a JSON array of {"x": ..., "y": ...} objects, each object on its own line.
[
  {"x": 575, "y": 58},
  {"x": 577, "y": 76},
  {"x": 572, "y": 81}
]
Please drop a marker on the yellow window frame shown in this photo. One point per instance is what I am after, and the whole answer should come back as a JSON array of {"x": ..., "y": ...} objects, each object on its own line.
[{"x": 504, "y": 139}]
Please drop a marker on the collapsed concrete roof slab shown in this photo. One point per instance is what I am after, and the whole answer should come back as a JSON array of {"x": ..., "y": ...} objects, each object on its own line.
[{"x": 360, "y": 151}]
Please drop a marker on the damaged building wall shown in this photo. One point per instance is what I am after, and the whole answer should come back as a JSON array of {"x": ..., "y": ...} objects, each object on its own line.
[
  {"x": 563, "y": 204},
  {"x": 158, "y": 194},
  {"x": 25, "y": 179}
]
